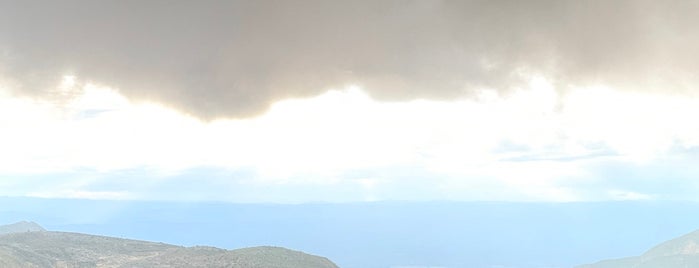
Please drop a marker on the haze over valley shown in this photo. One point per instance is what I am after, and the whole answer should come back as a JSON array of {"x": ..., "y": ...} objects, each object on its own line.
[{"x": 384, "y": 234}]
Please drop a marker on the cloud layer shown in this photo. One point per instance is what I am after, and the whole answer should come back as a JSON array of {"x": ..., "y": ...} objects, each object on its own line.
[
  {"x": 345, "y": 146},
  {"x": 235, "y": 58}
]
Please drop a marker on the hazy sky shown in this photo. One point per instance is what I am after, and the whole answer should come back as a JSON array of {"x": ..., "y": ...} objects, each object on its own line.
[{"x": 299, "y": 101}]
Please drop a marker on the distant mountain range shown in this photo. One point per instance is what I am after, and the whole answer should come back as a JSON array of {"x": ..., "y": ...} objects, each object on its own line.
[
  {"x": 681, "y": 252},
  {"x": 383, "y": 234},
  {"x": 26, "y": 244}
]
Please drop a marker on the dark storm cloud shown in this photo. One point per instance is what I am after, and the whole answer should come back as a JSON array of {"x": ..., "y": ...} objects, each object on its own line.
[{"x": 234, "y": 58}]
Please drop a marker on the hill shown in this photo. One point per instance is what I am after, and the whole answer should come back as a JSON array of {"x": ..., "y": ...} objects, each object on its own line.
[
  {"x": 21, "y": 227},
  {"x": 384, "y": 234},
  {"x": 680, "y": 252},
  {"x": 62, "y": 249}
]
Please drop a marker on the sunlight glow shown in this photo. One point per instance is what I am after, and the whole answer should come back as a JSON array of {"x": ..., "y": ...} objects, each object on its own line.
[
  {"x": 68, "y": 81},
  {"x": 518, "y": 141}
]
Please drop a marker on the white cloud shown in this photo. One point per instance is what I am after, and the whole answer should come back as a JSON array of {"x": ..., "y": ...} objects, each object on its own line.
[
  {"x": 628, "y": 195},
  {"x": 520, "y": 146},
  {"x": 76, "y": 194}
]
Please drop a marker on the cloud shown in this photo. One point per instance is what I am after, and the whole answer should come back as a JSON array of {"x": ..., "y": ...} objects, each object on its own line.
[
  {"x": 345, "y": 146},
  {"x": 217, "y": 59}
]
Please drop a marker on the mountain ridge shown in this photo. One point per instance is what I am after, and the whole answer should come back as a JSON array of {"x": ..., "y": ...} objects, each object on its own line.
[
  {"x": 680, "y": 252},
  {"x": 41, "y": 248},
  {"x": 22, "y": 226}
]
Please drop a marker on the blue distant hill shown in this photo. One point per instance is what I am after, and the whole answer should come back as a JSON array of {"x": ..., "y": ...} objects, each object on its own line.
[{"x": 384, "y": 234}]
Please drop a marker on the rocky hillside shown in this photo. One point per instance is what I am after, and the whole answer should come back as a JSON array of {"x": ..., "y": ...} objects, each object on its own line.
[
  {"x": 680, "y": 252},
  {"x": 71, "y": 250}
]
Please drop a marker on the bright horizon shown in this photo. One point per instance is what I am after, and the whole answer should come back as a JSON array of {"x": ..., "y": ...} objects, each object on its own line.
[{"x": 534, "y": 143}]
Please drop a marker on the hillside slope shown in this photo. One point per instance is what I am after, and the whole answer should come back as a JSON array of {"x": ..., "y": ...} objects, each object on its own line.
[
  {"x": 61, "y": 249},
  {"x": 21, "y": 227},
  {"x": 680, "y": 252}
]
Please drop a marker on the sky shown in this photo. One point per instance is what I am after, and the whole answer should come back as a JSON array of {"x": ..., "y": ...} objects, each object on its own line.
[{"x": 318, "y": 101}]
